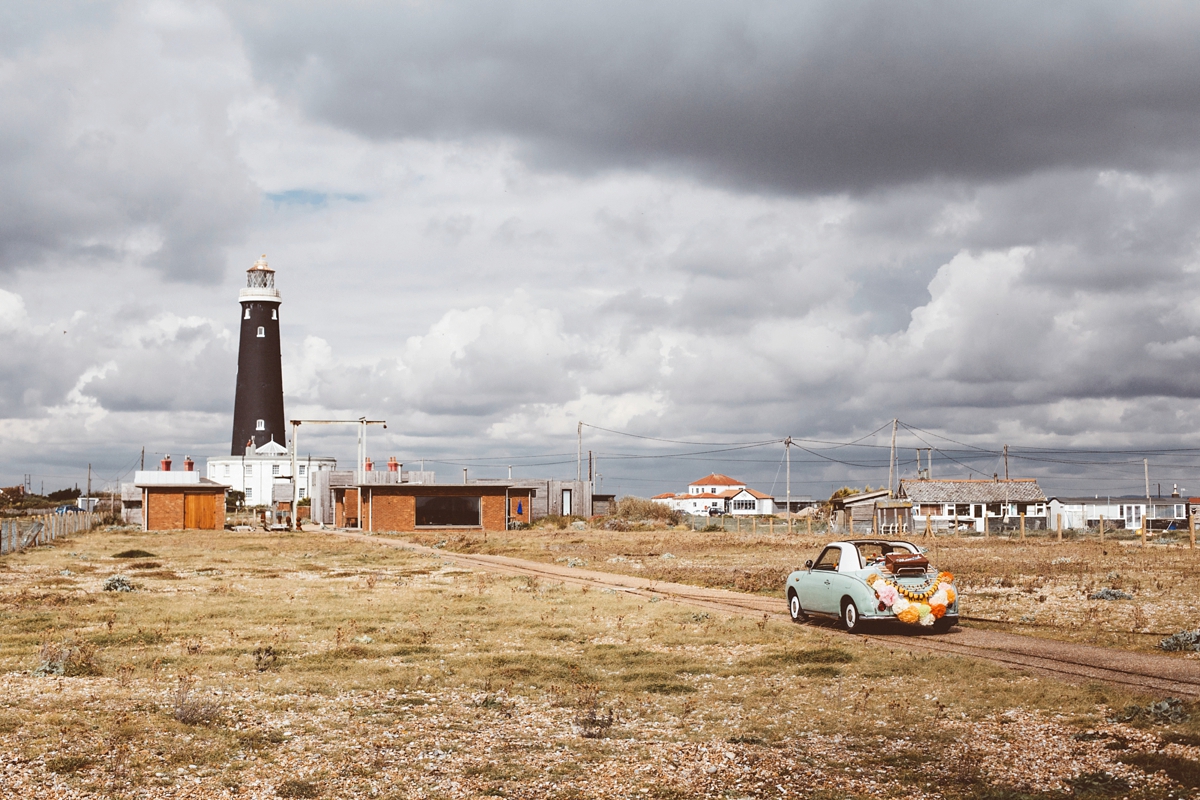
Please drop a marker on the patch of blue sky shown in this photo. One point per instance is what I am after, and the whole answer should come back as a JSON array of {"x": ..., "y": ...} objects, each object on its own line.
[{"x": 313, "y": 199}]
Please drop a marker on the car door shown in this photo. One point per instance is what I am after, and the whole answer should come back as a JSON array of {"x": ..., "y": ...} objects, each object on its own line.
[
  {"x": 814, "y": 589},
  {"x": 842, "y": 583}
]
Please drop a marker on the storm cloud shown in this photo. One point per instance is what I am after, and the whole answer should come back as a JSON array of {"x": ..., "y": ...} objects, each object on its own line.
[{"x": 790, "y": 97}]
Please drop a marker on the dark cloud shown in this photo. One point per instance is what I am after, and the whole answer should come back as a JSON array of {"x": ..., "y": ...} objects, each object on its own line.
[
  {"x": 115, "y": 143},
  {"x": 812, "y": 97}
]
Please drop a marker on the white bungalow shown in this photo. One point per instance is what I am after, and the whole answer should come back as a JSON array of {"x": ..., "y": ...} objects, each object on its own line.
[{"x": 719, "y": 494}]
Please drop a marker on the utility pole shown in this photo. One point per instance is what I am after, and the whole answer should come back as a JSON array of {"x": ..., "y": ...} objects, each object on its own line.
[
  {"x": 787, "y": 449},
  {"x": 579, "y": 453},
  {"x": 892, "y": 460},
  {"x": 89, "y": 493},
  {"x": 143, "y": 464},
  {"x": 591, "y": 469},
  {"x": 1005, "y": 462},
  {"x": 1146, "y": 467}
]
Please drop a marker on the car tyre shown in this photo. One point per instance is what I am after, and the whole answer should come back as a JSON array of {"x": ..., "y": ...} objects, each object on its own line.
[
  {"x": 944, "y": 624},
  {"x": 850, "y": 619},
  {"x": 795, "y": 609}
]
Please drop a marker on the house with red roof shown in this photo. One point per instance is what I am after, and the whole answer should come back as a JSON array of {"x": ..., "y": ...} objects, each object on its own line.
[{"x": 719, "y": 494}]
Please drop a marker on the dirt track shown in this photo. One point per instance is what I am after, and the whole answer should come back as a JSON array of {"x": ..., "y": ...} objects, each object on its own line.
[{"x": 1152, "y": 674}]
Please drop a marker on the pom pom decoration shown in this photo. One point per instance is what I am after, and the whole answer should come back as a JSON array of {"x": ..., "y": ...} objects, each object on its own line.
[{"x": 915, "y": 605}]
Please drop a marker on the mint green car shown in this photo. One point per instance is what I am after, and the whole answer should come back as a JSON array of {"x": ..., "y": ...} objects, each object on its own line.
[{"x": 839, "y": 585}]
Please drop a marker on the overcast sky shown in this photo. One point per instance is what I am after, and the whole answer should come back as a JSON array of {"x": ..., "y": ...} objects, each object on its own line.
[{"x": 699, "y": 221}]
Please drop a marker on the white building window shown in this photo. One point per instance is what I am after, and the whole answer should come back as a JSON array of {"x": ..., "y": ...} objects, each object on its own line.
[
  {"x": 301, "y": 492},
  {"x": 226, "y": 470},
  {"x": 261, "y": 425},
  {"x": 262, "y": 332},
  {"x": 249, "y": 470},
  {"x": 274, "y": 313},
  {"x": 302, "y": 469},
  {"x": 743, "y": 505},
  {"x": 274, "y": 469},
  {"x": 249, "y": 492}
]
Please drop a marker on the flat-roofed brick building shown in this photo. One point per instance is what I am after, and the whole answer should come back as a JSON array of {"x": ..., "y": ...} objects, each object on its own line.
[
  {"x": 422, "y": 506},
  {"x": 180, "y": 500}
]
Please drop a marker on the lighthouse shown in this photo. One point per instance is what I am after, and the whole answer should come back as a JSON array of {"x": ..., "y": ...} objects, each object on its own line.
[{"x": 258, "y": 405}]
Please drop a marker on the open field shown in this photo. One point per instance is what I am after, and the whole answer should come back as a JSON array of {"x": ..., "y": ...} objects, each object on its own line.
[
  {"x": 298, "y": 665},
  {"x": 1039, "y": 587}
]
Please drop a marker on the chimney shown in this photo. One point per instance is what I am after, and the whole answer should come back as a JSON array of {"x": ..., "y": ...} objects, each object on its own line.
[
  {"x": 464, "y": 474},
  {"x": 996, "y": 477},
  {"x": 165, "y": 464},
  {"x": 393, "y": 464},
  {"x": 250, "y": 446},
  {"x": 1175, "y": 490},
  {"x": 188, "y": 464},
  {"x": 368, "y": 465}
]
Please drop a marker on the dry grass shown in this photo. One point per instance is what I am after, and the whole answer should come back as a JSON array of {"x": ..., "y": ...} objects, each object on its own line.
[
  {"x": 304, "y": 666},
  {"x": 1039, "y": 587}
]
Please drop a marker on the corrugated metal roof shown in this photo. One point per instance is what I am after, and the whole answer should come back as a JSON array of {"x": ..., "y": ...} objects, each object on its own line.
[{"x": 1020, "y": 490}]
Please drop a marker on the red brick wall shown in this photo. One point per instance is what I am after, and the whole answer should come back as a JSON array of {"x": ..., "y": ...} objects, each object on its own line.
[
  {"x": 522, "y": 500},
  {"x": 164, "y": 510},
  {"x": 393, "y": 512}
]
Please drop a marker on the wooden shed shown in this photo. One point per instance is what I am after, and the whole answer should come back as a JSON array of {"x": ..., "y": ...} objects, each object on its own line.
[{"x": 180, "y": 501}]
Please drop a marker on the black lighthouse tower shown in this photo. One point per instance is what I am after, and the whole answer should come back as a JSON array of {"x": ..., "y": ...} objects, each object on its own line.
[{"x": 258, "y": 407}]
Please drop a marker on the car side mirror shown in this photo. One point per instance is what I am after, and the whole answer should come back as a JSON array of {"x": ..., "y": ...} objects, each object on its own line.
[{"x": 808, "y": 564}]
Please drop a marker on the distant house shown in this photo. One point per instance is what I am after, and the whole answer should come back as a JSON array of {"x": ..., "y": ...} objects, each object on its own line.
[
  {"x": 719, "y": 494},
  {"x": 854, "y": 512},
  {"x": 946, "y": 503},
  {"x": 1118, "y": 512}
]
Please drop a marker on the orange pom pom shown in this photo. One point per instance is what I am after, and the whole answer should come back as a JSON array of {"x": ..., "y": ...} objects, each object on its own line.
[{"x": 938, "y": 610}]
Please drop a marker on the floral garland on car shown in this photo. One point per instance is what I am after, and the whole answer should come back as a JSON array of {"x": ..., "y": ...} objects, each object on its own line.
[{"x": 919, "y": 605}]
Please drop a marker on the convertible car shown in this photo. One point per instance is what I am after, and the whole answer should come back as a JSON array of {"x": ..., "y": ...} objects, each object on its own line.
[{"x": 865, "y": 580}]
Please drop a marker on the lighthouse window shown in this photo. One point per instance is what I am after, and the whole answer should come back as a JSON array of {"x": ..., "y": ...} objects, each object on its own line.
[
  {"x": 261, "y": 425},
  {"x": 274, "y": 313},
  {"x": 247, "y": 313},
  {"x": 262, "y": 332}
]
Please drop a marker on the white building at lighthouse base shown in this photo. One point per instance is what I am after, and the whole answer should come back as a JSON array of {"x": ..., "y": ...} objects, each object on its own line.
[{"x": 264, "y": 474}]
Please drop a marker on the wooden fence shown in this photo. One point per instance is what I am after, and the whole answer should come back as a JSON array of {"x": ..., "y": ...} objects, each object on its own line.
[{"x": 17, "y": 533}]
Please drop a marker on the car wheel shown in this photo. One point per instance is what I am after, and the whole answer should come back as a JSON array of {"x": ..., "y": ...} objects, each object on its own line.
[
  {"x": 795, "y": 609},
  {"x": 943, "y": 625},
  {"x": 850, "y": 617}
]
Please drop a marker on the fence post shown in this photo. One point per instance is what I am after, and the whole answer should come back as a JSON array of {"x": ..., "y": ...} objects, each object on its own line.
[
  {"x": 1101, "y": 529},
  {"x": 1022, "y": 527},
  {"x": 1192, "y": 531},
  {"x": 1142, "y": 532},
  {"x": 956, "y": 521},
  {"x": 1059, "y": 527},
  {"x": 985, "y": 522},
  {"x": 808, "y": 519}
]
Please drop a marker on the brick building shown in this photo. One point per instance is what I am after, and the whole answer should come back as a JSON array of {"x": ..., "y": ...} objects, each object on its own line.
[
  {"x": 422, "y": 506},
  {"x": 179, "y": 500}
]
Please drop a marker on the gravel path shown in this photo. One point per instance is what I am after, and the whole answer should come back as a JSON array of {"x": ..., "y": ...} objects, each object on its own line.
[{"x": 1149, "y": 673}]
